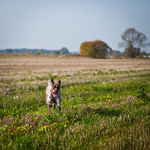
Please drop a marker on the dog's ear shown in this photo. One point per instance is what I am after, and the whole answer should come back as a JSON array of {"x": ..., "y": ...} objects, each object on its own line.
[
  {"x": 52, "y": 81},
  {"x": 59, "y": 82}
]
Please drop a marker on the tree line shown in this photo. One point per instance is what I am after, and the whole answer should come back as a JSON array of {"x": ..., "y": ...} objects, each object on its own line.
[
  {"x": 132, "y": 42},
  {"x": 63, "y": 50}
]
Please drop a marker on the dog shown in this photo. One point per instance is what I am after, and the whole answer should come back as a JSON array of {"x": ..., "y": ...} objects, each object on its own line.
[{"x": 53, "y": 94}]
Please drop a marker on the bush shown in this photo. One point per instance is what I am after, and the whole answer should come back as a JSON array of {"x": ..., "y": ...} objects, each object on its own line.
[{"x": 95, "y": 49}]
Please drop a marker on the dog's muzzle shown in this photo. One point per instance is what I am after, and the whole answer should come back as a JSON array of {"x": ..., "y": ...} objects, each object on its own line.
[{"x": 54, "y": 94}]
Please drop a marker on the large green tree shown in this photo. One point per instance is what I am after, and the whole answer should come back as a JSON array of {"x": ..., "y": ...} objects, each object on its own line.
[
  {"x": 95, "y": 49},
  {"x": 133, "y": 41}
]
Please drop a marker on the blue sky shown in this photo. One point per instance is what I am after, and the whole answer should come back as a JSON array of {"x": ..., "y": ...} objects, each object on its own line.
[{"x": 67, "y": 23}]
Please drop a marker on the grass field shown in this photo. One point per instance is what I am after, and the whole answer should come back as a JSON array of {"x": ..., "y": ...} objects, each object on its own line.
[{"x": 105, "y": 103}]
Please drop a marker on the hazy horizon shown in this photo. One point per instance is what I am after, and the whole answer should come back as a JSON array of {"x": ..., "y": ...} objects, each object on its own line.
[{"x": 46, "y": 24}]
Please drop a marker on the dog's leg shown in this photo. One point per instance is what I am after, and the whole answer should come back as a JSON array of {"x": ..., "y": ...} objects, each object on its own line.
[
  {"x": 49, "y": 106},
  {"x": 59, "y": 108},
  {"x": 58, "y": 103},
  {"x": 54, "y": 105}
]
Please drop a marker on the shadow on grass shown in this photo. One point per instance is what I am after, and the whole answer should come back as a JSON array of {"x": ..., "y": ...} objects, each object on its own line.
[
  {"x": 89, "y": 113},
  {"x": 103, "y": 111}
]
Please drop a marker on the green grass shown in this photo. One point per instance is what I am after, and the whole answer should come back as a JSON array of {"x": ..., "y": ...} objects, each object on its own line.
[{"x": 101, "y": 113}]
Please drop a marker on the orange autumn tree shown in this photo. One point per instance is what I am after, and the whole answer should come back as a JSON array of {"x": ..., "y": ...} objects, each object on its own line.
[{"x": 95, "y": 49}]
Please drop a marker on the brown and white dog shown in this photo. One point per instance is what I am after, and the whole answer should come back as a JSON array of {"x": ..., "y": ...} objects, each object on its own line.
[{"x": 53, "y": 94}]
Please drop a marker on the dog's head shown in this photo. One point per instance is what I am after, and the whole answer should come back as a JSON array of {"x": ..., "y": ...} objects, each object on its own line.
[{"x": 55, "y": 88}]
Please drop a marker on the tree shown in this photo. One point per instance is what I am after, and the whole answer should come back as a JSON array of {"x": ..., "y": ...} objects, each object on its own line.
[
  {"x": 38, "y": 52},
  {"x": 64, "y": 50},
  {"x": 131, "y": 52},
  {"x": 95, "y": 49},
  {"x": 8, "y": 51},
  {"x": 115, "y": 53},
  {"x": 55, "y": 52},
  {"x": 133, "y": 41}
]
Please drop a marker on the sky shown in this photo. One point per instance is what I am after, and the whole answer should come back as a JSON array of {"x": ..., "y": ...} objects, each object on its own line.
[{"x": 53, "y": 24}]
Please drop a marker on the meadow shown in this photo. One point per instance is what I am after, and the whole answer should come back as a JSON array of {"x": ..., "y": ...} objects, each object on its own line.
[{"x": 105, "y": 103}]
